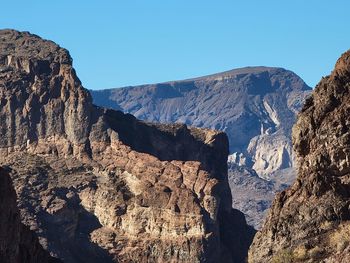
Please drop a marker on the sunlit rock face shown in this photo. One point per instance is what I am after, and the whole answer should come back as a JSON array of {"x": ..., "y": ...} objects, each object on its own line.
[
  {"x": 309, "y": 222},
  {"x": 98, "y": 185},
  {"x": 255, "y": 106}
]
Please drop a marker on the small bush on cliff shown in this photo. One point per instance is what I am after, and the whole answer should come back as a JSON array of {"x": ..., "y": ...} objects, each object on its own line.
[
  {"x": 300, "y": 253},
  {"x": 283, "y": 256},
  {"x": 340, "y": 239}
]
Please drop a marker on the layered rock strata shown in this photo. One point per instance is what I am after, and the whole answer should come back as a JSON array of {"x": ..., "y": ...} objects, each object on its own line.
[
  {"x": 97, "y": 185},
  {"x": 310, "y": 221},
  {"x": 17, "y": 242},
  {"x": 255, "y": 106}
]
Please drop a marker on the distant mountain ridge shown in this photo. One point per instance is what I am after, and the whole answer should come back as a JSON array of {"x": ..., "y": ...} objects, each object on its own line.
[
  {"x": 309, "y": 222},
  {"x": 215, "y": 100},
  {"x": 255, "y": 106}
]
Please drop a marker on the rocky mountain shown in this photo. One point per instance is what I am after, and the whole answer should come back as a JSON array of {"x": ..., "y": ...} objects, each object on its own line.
[
  {"x": 18, "y": 243},
  {"x": 97, "y": 185},
  {"x": 254, "y": 106},
  {"x": 309, "y": 222}
]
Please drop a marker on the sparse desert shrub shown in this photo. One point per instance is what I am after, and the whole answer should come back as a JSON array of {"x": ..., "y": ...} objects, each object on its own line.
[
  {"x": 326, "y": 225},
  {"x": 315, "y": 252},
  {"x": 300, "y": 253},
  {"x": 340, "y": 239},
  {"x": 283, "y": 256}
]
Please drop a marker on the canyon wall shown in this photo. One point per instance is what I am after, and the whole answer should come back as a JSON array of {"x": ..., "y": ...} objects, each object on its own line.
[
  {"x": 17, "y": 242},
  {"x": 309, "y": 222},
  {"x": 99, "y": 185},
  {"x": 254, "y": 106}
]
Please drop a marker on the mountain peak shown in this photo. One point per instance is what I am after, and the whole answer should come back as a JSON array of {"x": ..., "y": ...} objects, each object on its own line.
[
  {"x": 342, "y": 67},
  {"x": 234, "y": 72},
  {"x": 24, "y": 45}
]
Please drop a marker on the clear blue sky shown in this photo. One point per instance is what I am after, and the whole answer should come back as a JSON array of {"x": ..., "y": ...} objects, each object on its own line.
[{"x": 119, "y": 43}]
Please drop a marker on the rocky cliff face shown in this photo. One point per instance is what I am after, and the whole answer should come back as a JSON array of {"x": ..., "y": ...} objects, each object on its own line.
[
  {"x": 17, "y": 242},
  {"x": 255, "y": 106},
  {"x": 97, "y": 185},
  {"x": 309, "y": 222}
]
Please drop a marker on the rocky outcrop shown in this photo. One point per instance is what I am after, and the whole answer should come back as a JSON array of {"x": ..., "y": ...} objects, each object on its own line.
[
  {"x": 254, "y": 106},
  {"x": 98, "y": 185},
  {"x": 17, "y": 242},
  {"x": 309, "y": 222}
]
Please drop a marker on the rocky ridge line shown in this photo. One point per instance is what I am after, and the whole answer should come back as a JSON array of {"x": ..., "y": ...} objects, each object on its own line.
[
  {"x": 309, "y": 222},
  {"x": 97, "y": 184},
  {"x": 254, "y": 106}
]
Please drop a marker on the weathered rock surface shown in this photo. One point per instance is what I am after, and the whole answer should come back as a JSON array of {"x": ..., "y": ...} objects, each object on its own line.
[
  {"x": 17, "y": 242},
  {"x": 255, "y": 106},
  {"x": 310, "y": 221},
  {"x": 97, "y": 185}
]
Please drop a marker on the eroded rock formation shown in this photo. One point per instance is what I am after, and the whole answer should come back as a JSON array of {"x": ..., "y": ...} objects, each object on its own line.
[
  {"x": 97, "y": 185},
  {"x": 255, "y": 106},
  {"x": 309, "y": 222},
  {"x": 17, "y": 242}
]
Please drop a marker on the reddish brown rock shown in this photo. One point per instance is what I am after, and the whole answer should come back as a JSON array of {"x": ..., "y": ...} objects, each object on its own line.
[
  {"x": 98, "y": 185},
  {"x": 17, "y": 242},
  {"x": 309, "y": 222}
]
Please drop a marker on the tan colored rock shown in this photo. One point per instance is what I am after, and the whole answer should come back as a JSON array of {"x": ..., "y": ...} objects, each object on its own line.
[
  {"x": 98, "y": 185},
  {"x": 309, "y": 222},
  {"x": 255, "y": 106}
]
